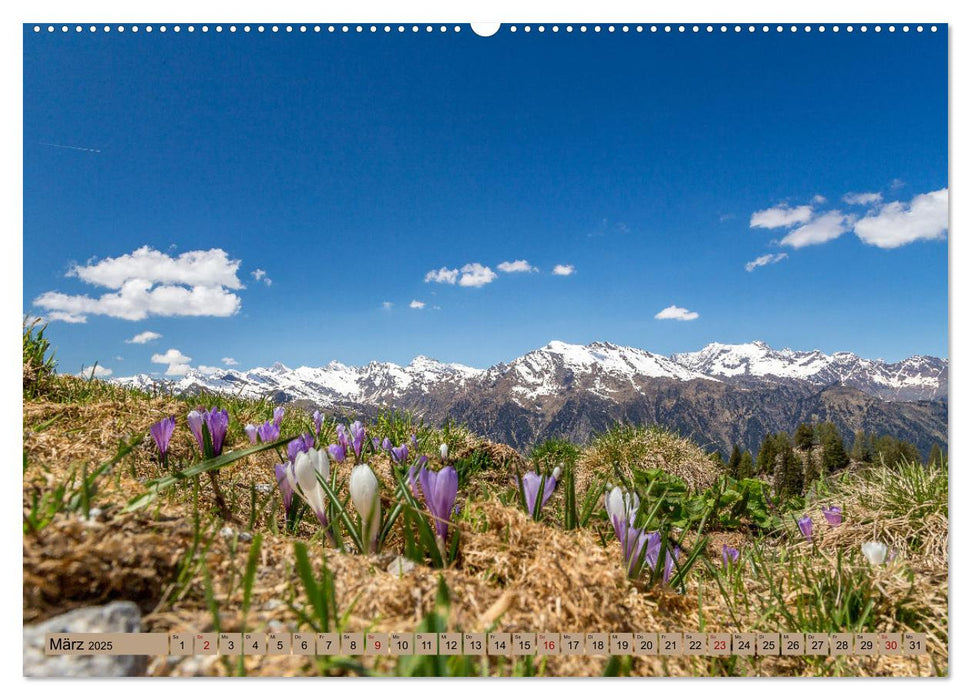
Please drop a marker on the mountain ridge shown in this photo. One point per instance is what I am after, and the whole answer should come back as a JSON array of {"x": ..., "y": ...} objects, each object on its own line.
[
  {"x": 719, "y": 396},
  {"x": 919, "y": 377}
]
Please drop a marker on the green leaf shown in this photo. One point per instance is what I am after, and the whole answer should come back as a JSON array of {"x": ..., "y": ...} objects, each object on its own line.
[{"x": 157, "y": 486}]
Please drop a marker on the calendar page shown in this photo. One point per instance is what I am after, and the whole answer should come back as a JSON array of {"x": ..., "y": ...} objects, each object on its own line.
[{"x": 400, "y": 349}]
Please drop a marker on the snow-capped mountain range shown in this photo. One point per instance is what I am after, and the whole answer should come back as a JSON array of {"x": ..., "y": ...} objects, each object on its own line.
[{"x": 604, "y": 370}]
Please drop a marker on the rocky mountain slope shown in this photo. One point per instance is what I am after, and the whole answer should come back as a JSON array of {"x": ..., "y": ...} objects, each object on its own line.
[{"x": 719, "y": 395}]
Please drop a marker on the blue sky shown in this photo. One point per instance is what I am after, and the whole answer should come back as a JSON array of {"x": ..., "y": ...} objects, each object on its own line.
[{"x": 653, "y": 168}]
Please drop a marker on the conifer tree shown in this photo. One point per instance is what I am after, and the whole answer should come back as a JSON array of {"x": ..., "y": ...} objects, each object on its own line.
[
  {"x": 804, "y": 437},
  {"x": 811, "y": 468},
  {"x": 789, "y": 476},
  {"x": 765, "y": 461},
  {"x": 834, "y": 452},
  {"x": 862, "y": 450},
  {"x": 746, "y": 467},
  {"x": 734, "y": 460}
]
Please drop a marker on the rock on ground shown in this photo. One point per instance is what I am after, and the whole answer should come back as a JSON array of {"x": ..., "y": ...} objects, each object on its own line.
[{"x": 121, "y": 616}]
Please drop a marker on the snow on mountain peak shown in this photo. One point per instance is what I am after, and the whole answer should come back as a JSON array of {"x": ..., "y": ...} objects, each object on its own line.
[{"x": 601, "y": 368}]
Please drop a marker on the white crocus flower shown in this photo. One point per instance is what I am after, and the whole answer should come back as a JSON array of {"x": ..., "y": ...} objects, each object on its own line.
[
  {"x": 621, "y": 505},
  {"x": 363, "y": 487},
  {"x": 875, "y": 552},
  {"x": 443, "y": 451},
  {"x": 306, "y": 467},
  {"x": 558, "y": 472}
]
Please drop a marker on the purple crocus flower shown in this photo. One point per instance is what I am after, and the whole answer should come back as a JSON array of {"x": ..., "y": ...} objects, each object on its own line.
[
  {"x": 386, "y": 445},
  {"x": 342, "y": 436},
  {"x": 413, "y": 441},
  {"x": 252, "y": 432},
  {"x": 195, "y": 420},
  {"x": 439, "y": 490},
  {"x": 375, "y": 443},
  {"x": 669, "y": 560},
  {"x": 833, "y": 515},
  {"x": 301, "y": 444},
  {"x": 285, "y": 481},
  {"x": 640, "y": 549},
  {"x": 268, "y": 432},
  {"x": 805, "y": 524},
  {"x": 338, "y": 453},
  {"x": 399, "y": 454},
  {"x": 531, "y": 485},
  {"x": 278, "y": 415},
  {"x": 218, "y": 424},
  {"x": 357, "y": 437},
  {"x": 318, "y": 420},
  {"x": 162, "y": 433},
  {"x": 729, "y": 554},
  {"x": 422, "y": 461}
]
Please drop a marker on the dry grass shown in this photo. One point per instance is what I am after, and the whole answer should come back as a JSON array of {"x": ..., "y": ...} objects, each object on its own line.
[
  {"x": 513, "y": 573},
  {"x": 632, "y": 447}
]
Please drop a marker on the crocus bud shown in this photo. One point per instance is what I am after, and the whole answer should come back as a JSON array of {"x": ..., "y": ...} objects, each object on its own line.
[
  {"x": 363, "y": 487},
  {"x": 195, "y": 419},
  {"x": 875, "y": 552},
  {"x": 285, "y": 481},
  {"x": 621, "y": 509},
  {"x": 161, "y": 433},
  {"x": 443, "y": 451},
  {"x": 252, "y": 432},
  {"x": 557, "y": 472},
  {"x": 806, "y": 527},
  {"x": 306, "y": 468}
]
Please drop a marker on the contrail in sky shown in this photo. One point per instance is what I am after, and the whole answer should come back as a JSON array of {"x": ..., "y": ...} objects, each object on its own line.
[{"x": 73, "y": 148}]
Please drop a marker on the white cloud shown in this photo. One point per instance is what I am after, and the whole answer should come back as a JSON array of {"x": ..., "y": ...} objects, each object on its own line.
[
  {"x": 207, "y": 369},
  {"x": 862, "y": 198},
  {"x": 170, "y": 356},
  {"x": 229, "y": 361},
  {"x": 207, "y": 268},
  {"x": 150, "y": 283},
  {"x": 897, "y": 224},
  {"x": 781, "y": 216},
  {"x": 819, "y": 199},
  {"x": 564, "y": 270},
  {"x": 823, "y": 228},
  {"x": 897, "y": 183},
  {"x": 144, "y": 337},
  {"x": 137, "y": 300},
  {"x": 676, "y": 313},
  {"x": 178, "y": 364},
  {"x": 415, "y": 304},
  {"x": 516, "y": 266},
  {"x": 65, "y": 316},
  {"x": 442, "y": 276},
  {"x": 99, "y": 371},
  {"x": 768, "y": 259},
  {"x": 386, "y": 305},
  {"x": 476, "y": 275},
  {"x": 260, "y": 276}
]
